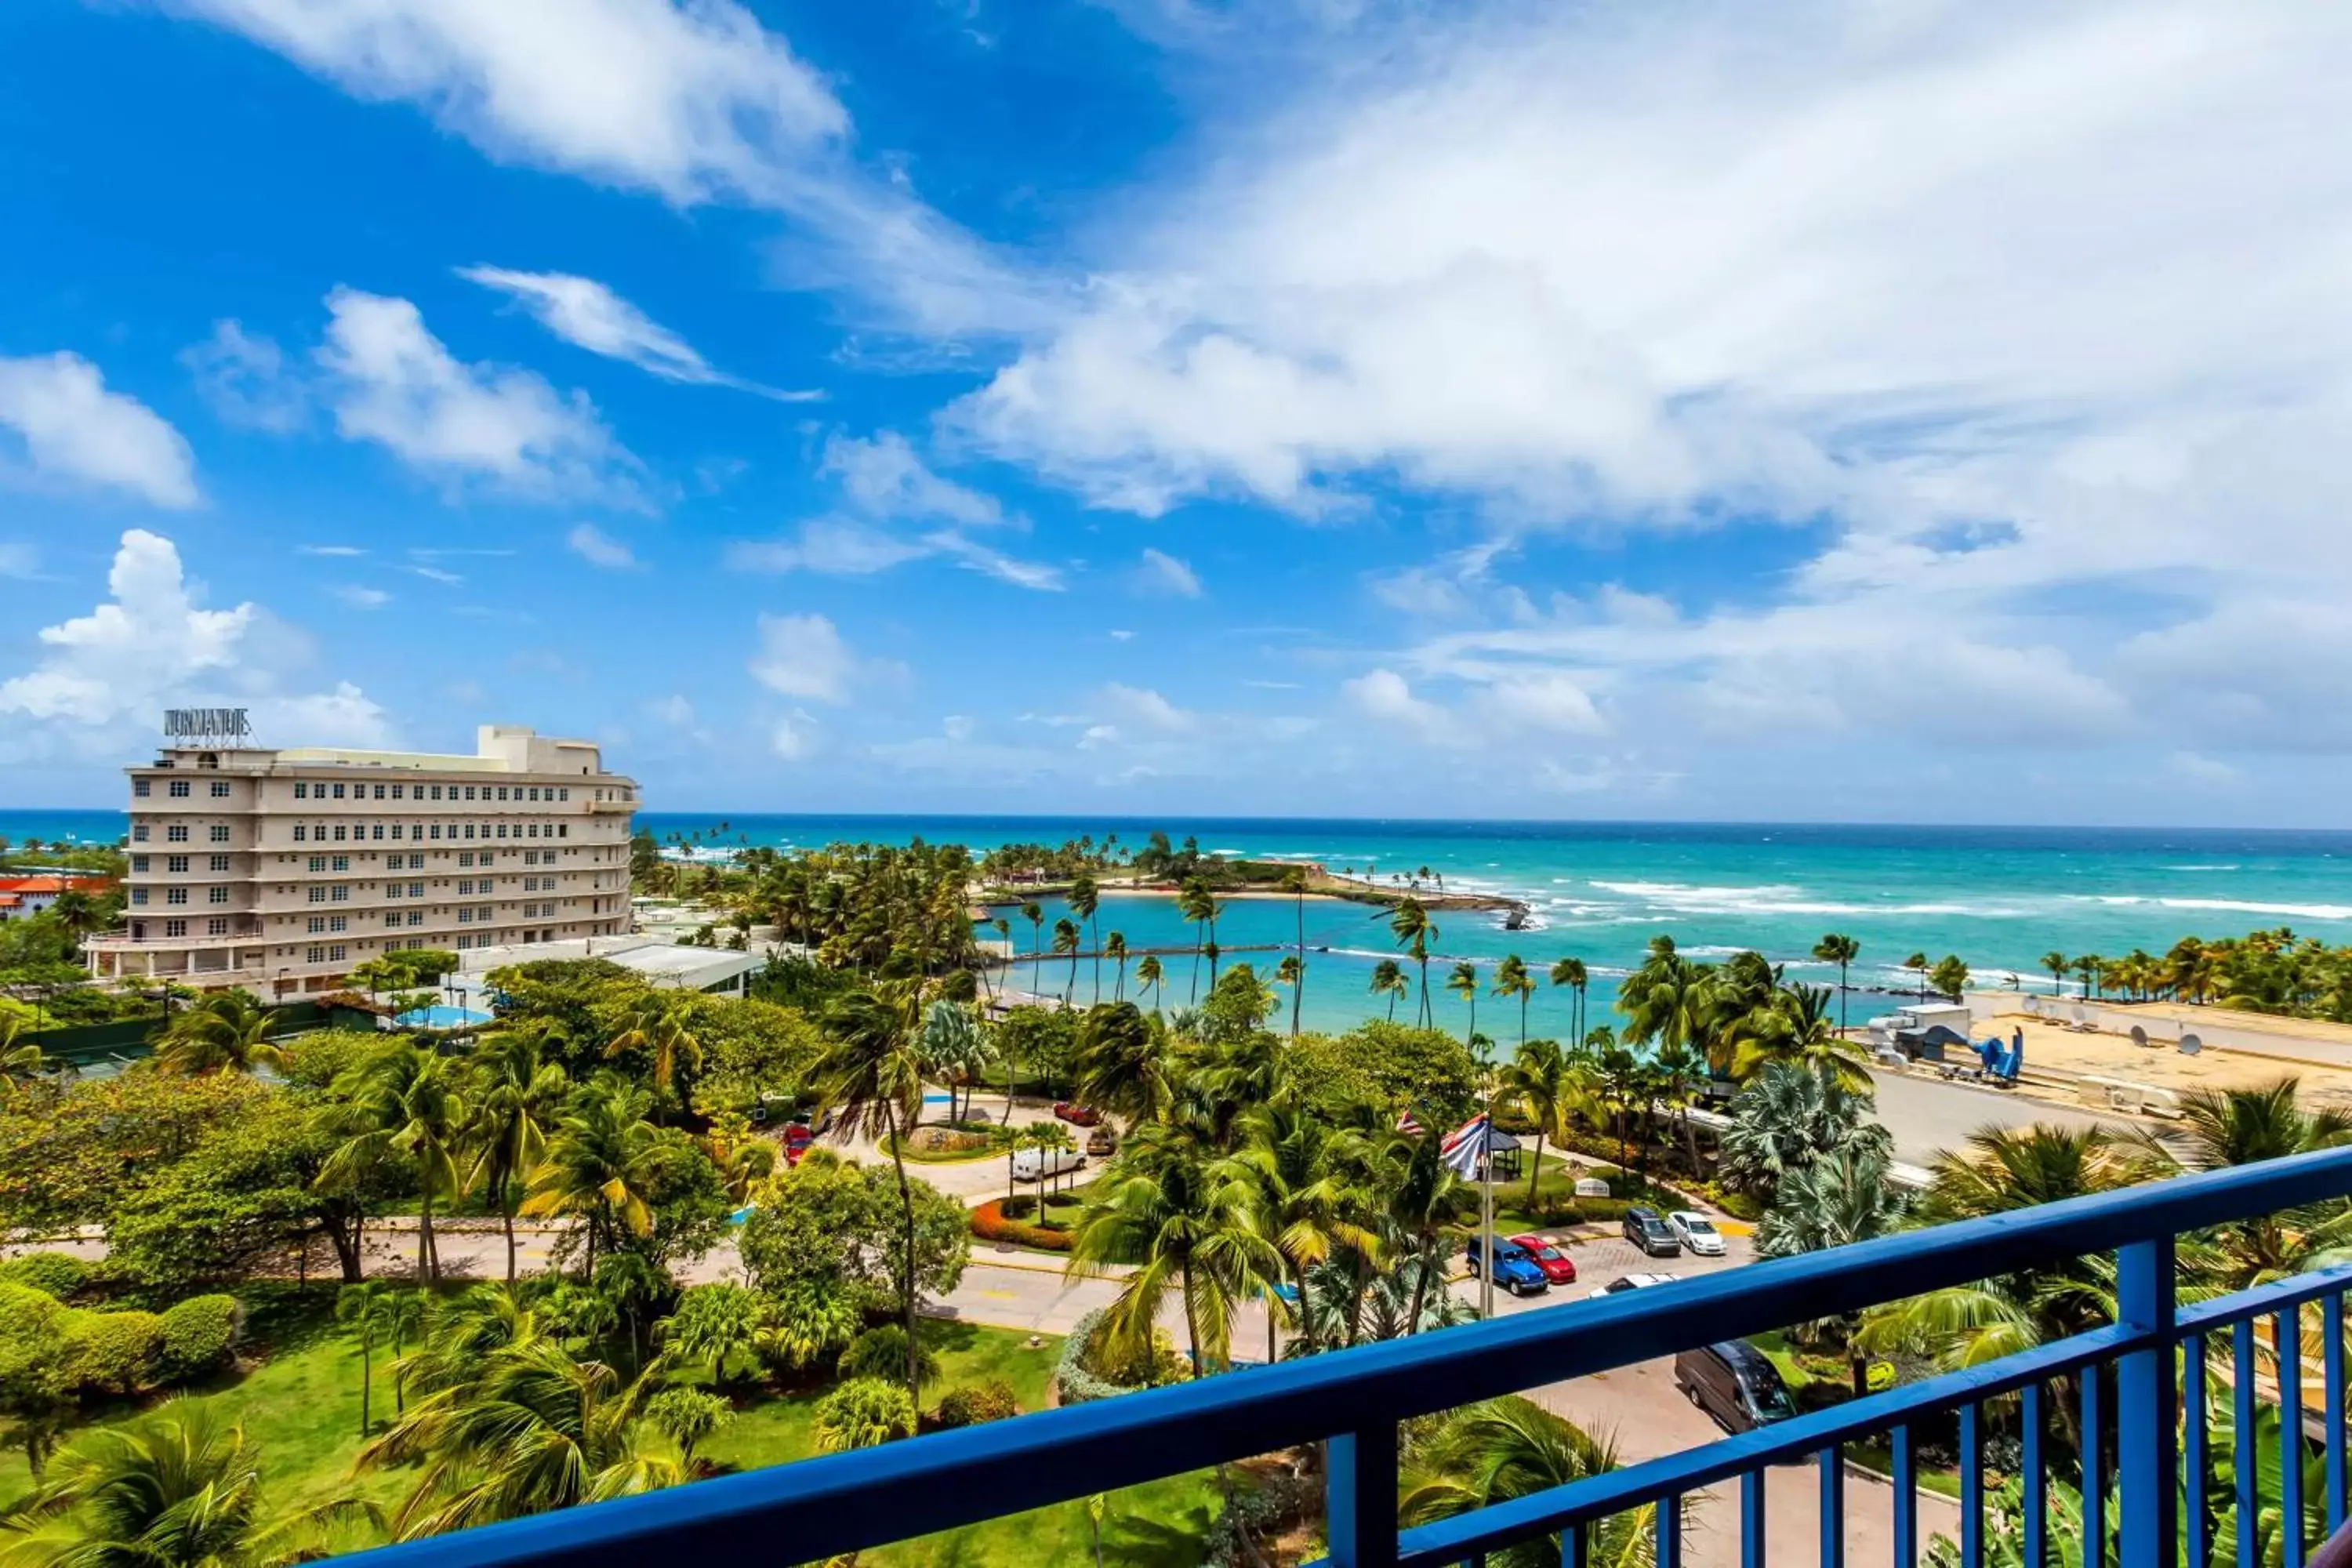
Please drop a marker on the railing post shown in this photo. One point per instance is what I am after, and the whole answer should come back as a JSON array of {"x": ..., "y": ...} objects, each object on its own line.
[
  {"x": 2148, "y": 1482},
  {"x": 1360, "y": 1497}
]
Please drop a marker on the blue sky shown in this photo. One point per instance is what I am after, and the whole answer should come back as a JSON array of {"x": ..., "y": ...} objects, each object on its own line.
[{"x": 1925, "y": 411}]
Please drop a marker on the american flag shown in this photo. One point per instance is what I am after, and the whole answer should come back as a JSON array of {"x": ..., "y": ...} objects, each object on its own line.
[
  {"x": 1407, "y": 1123},
  {"x": 1465, "y": 1145}
]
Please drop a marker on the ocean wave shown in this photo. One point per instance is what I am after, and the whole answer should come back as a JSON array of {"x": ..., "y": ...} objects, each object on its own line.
[
  {"x": 1776, "y": 899},
  {"x": 2224, "y": 906},
  {"x": 2229, "y": 868}
]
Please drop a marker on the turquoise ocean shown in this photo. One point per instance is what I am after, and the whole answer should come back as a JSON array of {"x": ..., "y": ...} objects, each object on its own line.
[{"x": 1999, "y": 897}]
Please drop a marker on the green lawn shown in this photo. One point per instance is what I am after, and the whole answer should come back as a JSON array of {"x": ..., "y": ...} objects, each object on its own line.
[{"x": 300, "y": 1403}]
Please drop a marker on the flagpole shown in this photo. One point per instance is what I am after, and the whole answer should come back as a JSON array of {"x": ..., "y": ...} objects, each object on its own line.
[{"x": 1486, "y": 1194}]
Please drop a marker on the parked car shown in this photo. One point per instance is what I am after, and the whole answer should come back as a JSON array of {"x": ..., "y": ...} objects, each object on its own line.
[
  {"x": 1645, "y": 1230},
  {"x": 1036, "y": 1164},
  {"x": 1696, "y": 1233},
  {"x": 1513, "y": 1271},
  {"x": 1076, "y": 1115},
  {"x": 1629, "y": 1282},
  {"x": 1558, "y": 1268},
  {"x": 797, "y": 1139},
  {"x": 1100, "y": 1144},
  {"x": 1735, "y": 1383}
]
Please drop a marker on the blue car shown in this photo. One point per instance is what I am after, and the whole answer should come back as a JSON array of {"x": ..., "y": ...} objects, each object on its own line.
[{"x": 1513, "y": 1271}]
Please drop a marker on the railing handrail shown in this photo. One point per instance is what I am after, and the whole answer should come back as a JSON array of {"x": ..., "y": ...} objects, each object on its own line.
[{"x": 818, "y": 1507}]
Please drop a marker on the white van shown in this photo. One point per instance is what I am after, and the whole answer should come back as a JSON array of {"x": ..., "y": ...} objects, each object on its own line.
[{"x": 1036, "y": 1164}]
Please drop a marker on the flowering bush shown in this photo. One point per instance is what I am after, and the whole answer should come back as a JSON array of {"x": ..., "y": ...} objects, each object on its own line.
[{"x": 989, "y": 1224}]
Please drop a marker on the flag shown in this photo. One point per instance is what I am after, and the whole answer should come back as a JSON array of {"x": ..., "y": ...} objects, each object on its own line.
[
  {"x": 1466, "y": 1146},
  {"x": 1408, "y": 1124}
]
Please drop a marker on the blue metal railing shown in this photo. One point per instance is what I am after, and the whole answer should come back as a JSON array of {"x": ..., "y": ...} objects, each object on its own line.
[{"x": 1353, "y": 1400}]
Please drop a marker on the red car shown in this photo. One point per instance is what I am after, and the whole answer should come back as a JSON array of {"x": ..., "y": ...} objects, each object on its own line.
[
  {"x": 1558, "y": 1268},
  {"x": 797, "y": 1139},
  {"x": 1077, "y": 1115}
]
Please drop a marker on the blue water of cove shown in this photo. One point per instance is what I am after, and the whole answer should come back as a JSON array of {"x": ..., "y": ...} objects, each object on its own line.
[{"x": 1999, "y": 897}]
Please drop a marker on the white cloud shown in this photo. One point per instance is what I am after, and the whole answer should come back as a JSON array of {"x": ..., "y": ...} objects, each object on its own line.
[
  {"x": 1119, "y": 634},
  {"x": 1387, "y": 697},
  {"x": 1147, "y": 707},
  {"x": 2203, "y": 772},
  {"x": 245, "y": 380},
  {"x": 673, "y": 710},
  {"x": 437, "y": 574},
  {"x": 1163, "y": 572},
  {"x": 587, "y": 314},
  {"x": 969, "y": 553},
  {"x": 692, "y": 100},
  {"x": 101, "y": 678},
  {"x": 882, "y": 482},
  {"x": 793, "y": 737},
  {"x": 833, "y": 546},
  {"x": 338, "y": 552},
  {"x": 596, "y": 547},
  {"x": 803, "y": 656},
  {"x": 957, "y": 727},
  {"x": 360, "y": 598},
  {"x": 882, "y": 477},
  {"x": 72, "y": 429},
  {"x": 392, "y": 381}
]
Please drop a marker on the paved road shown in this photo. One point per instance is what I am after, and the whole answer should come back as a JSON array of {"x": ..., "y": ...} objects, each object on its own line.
[{"x": 1927, "y": 1114}]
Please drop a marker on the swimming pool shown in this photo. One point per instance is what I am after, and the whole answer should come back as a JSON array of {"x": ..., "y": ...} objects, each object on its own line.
[{"x": 440, "y": 1017}]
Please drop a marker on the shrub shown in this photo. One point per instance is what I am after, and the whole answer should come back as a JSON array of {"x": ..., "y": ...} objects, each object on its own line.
[
  {"x": 1088, "y": 1372},
  {"x": 198, "y": 1334},
  {"x": 114, "y": 1352},
  {"x": 991, "y": 1401},
  {"x": 989, "y": 1224},
  {"x": 882, "y": 1353},
  {"x": 864, "y": 1413},
  {"x": 57, "y": 1273}
]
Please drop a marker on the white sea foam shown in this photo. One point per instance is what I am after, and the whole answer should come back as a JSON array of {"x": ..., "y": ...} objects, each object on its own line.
[
  {"x": 2229, "y": 906},
  {"x": 1777, "y": 898},
  {"x": 2230, "y": 867}
]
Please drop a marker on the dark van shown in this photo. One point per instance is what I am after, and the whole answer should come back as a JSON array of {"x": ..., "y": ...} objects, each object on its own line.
[
  {"x": 1646, "y": 1230},
  {"x": 1735, "y": 1383}
]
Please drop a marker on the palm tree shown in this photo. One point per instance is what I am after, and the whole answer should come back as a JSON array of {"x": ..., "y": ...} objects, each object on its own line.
[
  {"x": 1841, "y": 951},
  {"x": 180, "y": 1488},
  {"x": 20, "y": 1058},
  {"x": 227, "y": 1031},
  {"x": 1841, "y": 1199},
  {"x": 1165, "y": 1209},
  {"x": 1571, "y": 972},
  {"x": 403, "y": 1100},
  {"x": 953, "y": 1050},
  {"x": 1681, "y": 1072},
  {"x": 1463, "y": 981},
  {"x": 660, "y": 1027},
  {"x": 2088, "y": 966},
  {"x": 360, "y": 1308},
  {"x": 1794, "y": 1029},
  {"x": 1293, "y": 882},
  {"x": 1035, "y": 915},
  {"x": 1542, "y": 1081},
  {"x": 513, "y": 1096},
  {"x": 1115, "y": 949},
  {"x": 1917, "y": 964},
  {"x": 1507, "y": 1448},
  {"x": 1003, "y": 933},
  {"x": 1148, "y": 976},
  {"x": 1199, "y": 908},
  {"x": 1293, "y": 974},
  {"x": 2225, "y": 1127},
  {"x": 1512, "y": 979},
  {"x": 2057, "y": 964},
  {"x": 600, "y": 1164},
  {"x": 1065, "y": 941},
  {"x": 1388, "y": 979},
  {"x": 1123, "y": 1063},
  {"x": 1291, "y": 1168},
  {"x": 872, "y": 1078},
  {"x": 1414, "y": 930},
  {"x": 1084, "y": 897},
  {"x": 530, "y": 1429}
]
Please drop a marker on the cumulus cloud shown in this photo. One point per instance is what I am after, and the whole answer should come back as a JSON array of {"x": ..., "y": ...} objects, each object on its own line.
[
  {"x": 100, "y": 679},
  {"x": 72, "y": 430},
  {"x": 392, "y": 381},
  {"x": 803, "y": 656},
  {"x": 1387, "y": 697},
  {"x": 1167, "y": 574},
  {"x": 587, "y": 314},
  {"x": 597, "y": 548},
  {"x": 691, "y": 100},
  {"x": 883, "y": 477}
]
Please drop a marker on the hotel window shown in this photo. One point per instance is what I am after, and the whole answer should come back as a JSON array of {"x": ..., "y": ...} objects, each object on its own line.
[
  {"x": 318, "y": 895},
  {"x": 470, "y": 830},
  {"x": 436, "y": 791},
  {"x": 464, "y": 917},
  {"x": 337, "y": 953},
  {"x": 220, "y": 789},
  {"x": 400, "y": 792},
  {"x": 465, "y": 944},
  {"x": 175, "y": 862},
  {"x": 395, "y": 833},
  {"x": 301, "y": 790},
  {"x": 175, "y": 835},
  {"x": 318, "y": 924},
  {"x": 139, "y": 862},
  {"x": 314, "y": 955},
  {"x": 379, "y": 792},
  {"x": 338, "y": 792},
  {"x": 342, "y": 862},
  {"x": 219, "y": 834},
  {"x": 301, "y": 834},
  {"x": 339, "y": 833},
  {"x": 487, "y": 858},
  {"x": 502, "y": 831},
  {"x": 469, "y": 791},
  {"x": 341, "y": 895},
  {"x": 175, "y": 895},
  {"x": 489, "y": 884},
  {"x": 138, "y": 895},
  {"x": 379, "y": 830},
  {"x": 392, "y": 889},
  {"x": 563, "y": 793},
  {"x": 179, "y": 790},
  {"x": 437, "y": 830},
  {"x": 564, "y": 830},
  {"x": 392, "y": 920},
  {"x": 318, "y": 862},
  {"x": 175, "y": 927},
  {"x": 139, "y": 834},
  {"x": 466, "y": 888},
  {"x": 415, "y": 918},
  {"x": 415, "y": 889},
  {"x": 139, "y": 788},
  {"x": 216, "y": 896},
  {"x": 220, "y": 862},
  {"x": 338, "y": 922},
  {"x": 217, "y": 926}
]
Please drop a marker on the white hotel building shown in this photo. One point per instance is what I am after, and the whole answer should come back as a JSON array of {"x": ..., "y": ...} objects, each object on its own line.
[{"x": 283, "y": 871}]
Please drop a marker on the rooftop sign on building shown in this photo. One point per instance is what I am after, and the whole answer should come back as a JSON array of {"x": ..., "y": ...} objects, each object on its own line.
[{"x": 206, "y": 724}]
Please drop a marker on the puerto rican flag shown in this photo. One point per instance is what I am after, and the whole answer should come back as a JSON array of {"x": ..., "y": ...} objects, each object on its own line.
[
  {"x": 1409, "y": 1124},
  {"x": 1465, "y": 1147}
]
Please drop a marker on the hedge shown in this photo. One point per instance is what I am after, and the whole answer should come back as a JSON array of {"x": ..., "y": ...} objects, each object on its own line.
[
  {"x": 198, "y": 1334},
  {"x": 1072, "y": 1381},
  {"x": 992, "y": 1401},
  {"x": 57, "y": 1273},
  {"x": 989, "y": 1224},
  {"x": 114, "y": 1352}
]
